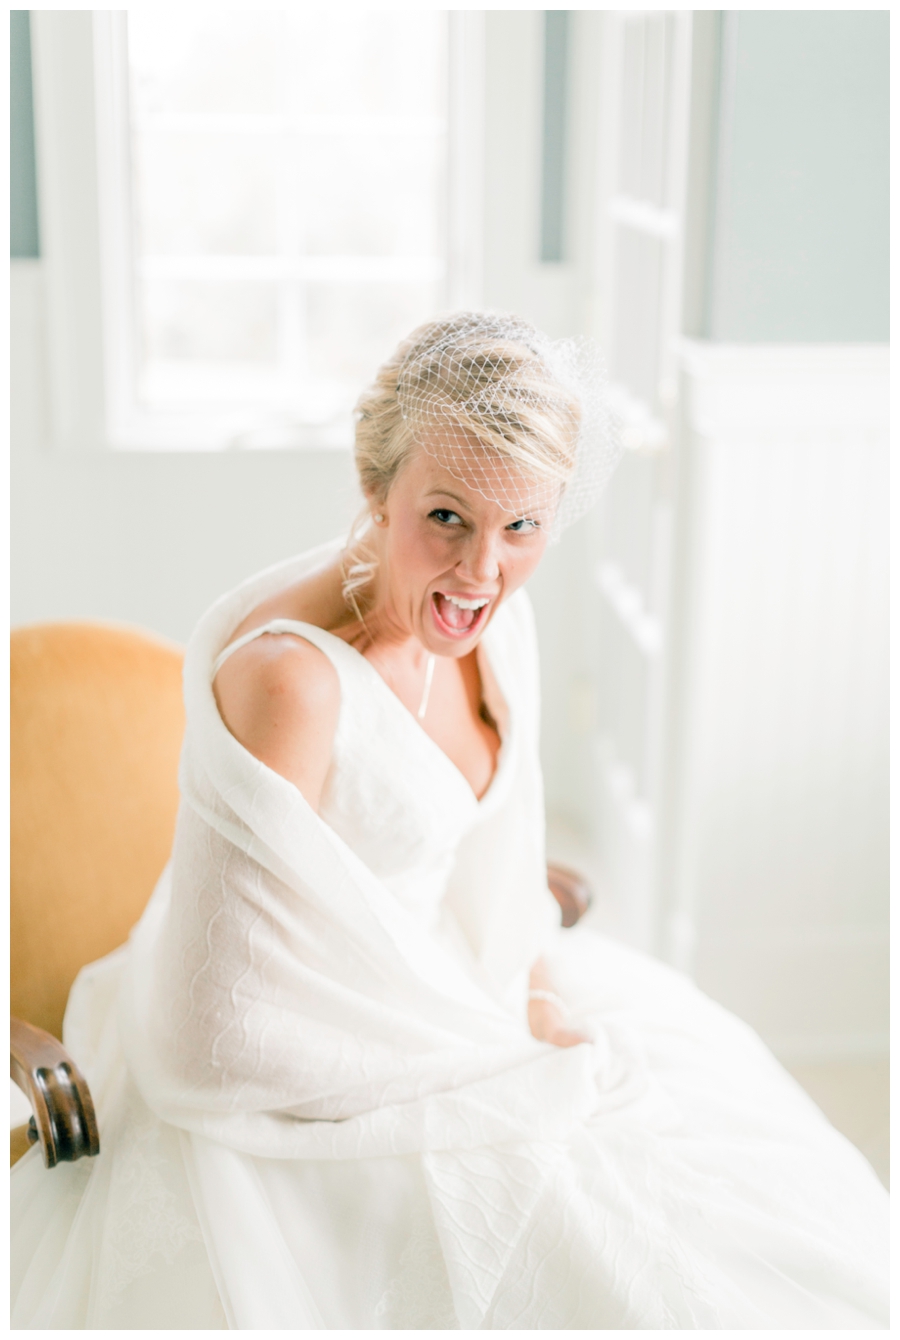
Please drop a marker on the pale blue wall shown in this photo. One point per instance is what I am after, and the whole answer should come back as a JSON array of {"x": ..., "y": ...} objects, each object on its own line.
[
  {"x": 801, "y": 219},
  {"x": 23, "y": 215}
]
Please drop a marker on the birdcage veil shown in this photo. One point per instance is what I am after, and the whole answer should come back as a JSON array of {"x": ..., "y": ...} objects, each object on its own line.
[{"x": 518, "y": 417}]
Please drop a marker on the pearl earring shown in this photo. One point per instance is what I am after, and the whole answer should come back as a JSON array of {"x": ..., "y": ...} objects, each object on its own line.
[{"x": 378, "y": 517}]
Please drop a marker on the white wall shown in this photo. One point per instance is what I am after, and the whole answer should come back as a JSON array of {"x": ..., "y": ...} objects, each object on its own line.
[
  {"x": 147, "y": 538},
  {"x": 776, "y": 856}
]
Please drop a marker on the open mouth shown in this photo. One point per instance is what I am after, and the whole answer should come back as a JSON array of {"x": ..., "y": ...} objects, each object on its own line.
[{"x": 457, "y": 616}]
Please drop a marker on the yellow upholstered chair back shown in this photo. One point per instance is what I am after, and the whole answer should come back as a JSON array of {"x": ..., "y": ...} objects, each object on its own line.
[{"x": 95, "y": 733}]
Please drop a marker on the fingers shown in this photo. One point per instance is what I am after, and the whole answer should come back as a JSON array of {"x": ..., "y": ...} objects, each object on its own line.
[
  {"x": 566, "y": 1037},
  {"x": 547, "y": 1024}
]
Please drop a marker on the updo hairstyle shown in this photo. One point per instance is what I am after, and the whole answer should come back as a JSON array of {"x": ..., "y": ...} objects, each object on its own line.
[
  {"x": 485, "y": 372},
  {"x": 473, "y": 373}
]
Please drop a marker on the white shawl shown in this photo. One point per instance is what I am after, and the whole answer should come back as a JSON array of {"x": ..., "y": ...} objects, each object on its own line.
[{"x": 281, "y": 1001}]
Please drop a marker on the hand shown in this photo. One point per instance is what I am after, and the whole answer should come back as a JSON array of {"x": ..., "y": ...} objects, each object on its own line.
[{"x": 548, "y": 1024}]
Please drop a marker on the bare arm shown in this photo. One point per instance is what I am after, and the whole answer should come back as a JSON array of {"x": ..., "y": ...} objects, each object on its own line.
[
  {"x": 546, "y": 1021},
  {"x": 280, "y": 697}
]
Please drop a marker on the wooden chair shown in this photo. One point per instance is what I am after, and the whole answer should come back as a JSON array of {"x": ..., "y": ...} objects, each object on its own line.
[
  {"x": 96, "y": 722},
  {"x": 95, "y": 731}
]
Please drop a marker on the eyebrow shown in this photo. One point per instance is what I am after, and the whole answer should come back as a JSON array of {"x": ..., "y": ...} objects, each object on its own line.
[{"x": 446, "y": 493}]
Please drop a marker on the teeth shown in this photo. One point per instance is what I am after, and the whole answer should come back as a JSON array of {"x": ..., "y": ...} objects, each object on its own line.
[{"x": 466, "y": 604}]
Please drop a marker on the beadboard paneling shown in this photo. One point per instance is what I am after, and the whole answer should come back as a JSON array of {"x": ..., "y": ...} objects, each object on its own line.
[{"x": 777, "y": 859}]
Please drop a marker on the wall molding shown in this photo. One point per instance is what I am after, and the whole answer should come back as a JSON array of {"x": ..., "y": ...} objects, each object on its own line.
[{"x": 740, "y": 390}]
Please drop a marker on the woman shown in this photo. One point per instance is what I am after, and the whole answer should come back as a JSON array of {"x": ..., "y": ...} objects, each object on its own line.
[{"x": 348, "y": 1071}]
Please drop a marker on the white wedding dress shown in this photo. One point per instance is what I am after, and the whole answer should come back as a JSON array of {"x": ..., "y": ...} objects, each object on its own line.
[{"x": 320, "y": 1105}]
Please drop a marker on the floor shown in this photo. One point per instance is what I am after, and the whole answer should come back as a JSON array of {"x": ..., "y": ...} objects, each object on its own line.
[{"x": 854, "y": 1095}]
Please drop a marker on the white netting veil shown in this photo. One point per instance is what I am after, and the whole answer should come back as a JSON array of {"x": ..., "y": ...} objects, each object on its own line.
[{"x": 516, "y": 416}]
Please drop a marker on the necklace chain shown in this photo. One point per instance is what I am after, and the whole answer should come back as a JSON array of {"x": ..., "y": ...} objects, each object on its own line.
[{"x": 426, "y": 690}]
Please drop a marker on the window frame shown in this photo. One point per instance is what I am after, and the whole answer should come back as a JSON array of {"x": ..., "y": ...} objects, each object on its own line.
[{"x": 81, "y": 127}]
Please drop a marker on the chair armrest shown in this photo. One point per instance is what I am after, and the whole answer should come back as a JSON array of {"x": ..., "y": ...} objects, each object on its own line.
[
  {"x": 64, "y": 1120},
  {"x": 571, "y": 890}
]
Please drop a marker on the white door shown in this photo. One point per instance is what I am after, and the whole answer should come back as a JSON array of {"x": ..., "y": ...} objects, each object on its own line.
[{"x": 643, "y": 117}]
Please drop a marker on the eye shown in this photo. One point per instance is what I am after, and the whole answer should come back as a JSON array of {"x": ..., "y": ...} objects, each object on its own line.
[
  {"x": 524, "y": 526},
  {"x": 446, "y": 517}
]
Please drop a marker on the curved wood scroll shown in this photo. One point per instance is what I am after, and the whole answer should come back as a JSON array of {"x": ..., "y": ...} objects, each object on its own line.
[
  {"x": 571, "y": 890},
  {"x": 64, "y": 1120}
]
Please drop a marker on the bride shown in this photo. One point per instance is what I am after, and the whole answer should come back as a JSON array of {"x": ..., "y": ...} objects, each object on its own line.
[{"x": 348, "y": 1070}]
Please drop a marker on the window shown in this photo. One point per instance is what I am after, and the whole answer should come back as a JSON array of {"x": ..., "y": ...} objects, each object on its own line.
[{"x": 272, "y": 199}]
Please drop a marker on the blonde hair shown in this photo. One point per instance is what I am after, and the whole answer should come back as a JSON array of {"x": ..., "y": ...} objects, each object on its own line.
[
  {"x": 499, "y": 384},
  {"x": 491, "y": 376}
]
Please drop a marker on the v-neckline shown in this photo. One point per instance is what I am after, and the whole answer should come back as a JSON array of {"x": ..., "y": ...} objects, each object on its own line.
[{"x": 420, "y": 729}]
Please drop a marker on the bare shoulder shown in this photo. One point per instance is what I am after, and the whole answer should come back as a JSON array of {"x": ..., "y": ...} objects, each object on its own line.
[
  {"x": 316, "y": 598},
  {"x": 280, "y": 696}
]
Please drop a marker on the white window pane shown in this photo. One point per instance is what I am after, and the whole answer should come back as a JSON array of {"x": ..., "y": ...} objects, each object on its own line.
[
  {"x": 639, "y": 270},
  {"x": 380, "y": 315},
  {"x": 206, "y": 194},
  {"x": 371, "y": 196},
  {"x": 187, "y": 320},
  {"x": 289, "y": 189},
  {"x": 225, "y": 62},
  {"x": 659, "y": 40},
  {"x": 345, "y": 63},
  {"x": 633, "y": 74}
]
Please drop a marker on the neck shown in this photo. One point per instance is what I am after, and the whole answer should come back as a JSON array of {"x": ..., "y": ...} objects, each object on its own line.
[
  {"x": 373, "y": 621},
  {"x": 376, "y": 627}
]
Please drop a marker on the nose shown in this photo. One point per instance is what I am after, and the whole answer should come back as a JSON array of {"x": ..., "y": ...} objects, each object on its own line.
[{"x": 480, "y": 563}]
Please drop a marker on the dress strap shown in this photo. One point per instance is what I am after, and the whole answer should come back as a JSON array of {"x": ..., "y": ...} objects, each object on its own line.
[{"x": 318, "y": 636}]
